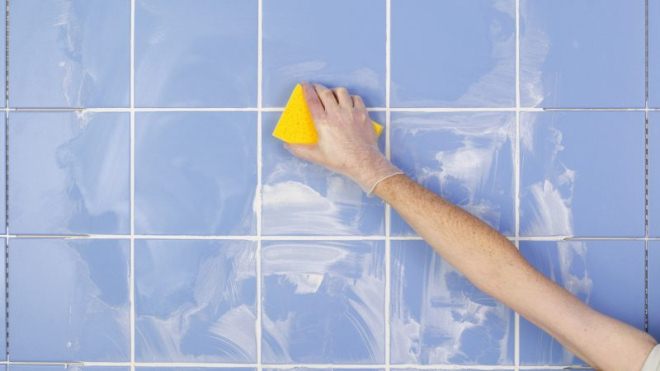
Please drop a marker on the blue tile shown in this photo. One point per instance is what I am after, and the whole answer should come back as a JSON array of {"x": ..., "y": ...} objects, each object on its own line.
[
  {"x": 196, "y": 53},
  {"x": 465, "y": 157},
  {"x": 455, "y": 53},
  {"x": 300, "y": 198},
  {"x": 582, "y": 53},
  {"x": 582, "y": 174},
  {"x": 150, "y": 368},
  {"x": 654, "y": 174},
  {"x": 65, "y": 368},
  {"x": 337, "y": 43},
  {"x": 70, "y": 53},
  {"x": 323, "y": 302},
  {"x": 69, "y": 173},
  {"x": 439, "y": 317},
  {"x": 3, "y": 301},
  {"x": 195, "y": 173},
  {"x": 3, "y": 175},
  {"x": 654, "y": 289},
  {"x": 607, "y": 275},
  {"x": 323, "y": 369},
  {"x": 69, "y": 300},
  {"x": 195, "y": 301},
  {"x": 654, "y": 53}
]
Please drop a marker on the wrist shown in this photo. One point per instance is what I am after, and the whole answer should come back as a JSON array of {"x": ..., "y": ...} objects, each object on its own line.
[{"x": 375, "y": 170}]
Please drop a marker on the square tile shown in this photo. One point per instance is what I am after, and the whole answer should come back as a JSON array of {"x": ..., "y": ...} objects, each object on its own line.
[
  {"x": 195, "y": 173},
  {"x": 465, "y": 157},
  {"x": 337, "y": 43},
  {"x": 300, "y": 198},
  {"x": 70, "y": 53},
  {"x": 654, "y": 174},
  {"x": 582, "y": 174},
  {"x": 69, "y": 173},
  {"x": 581, "y": 53},
  {"x": 654, "y": 53},
  {"x": 196, "y": 53},
  {"x": 654, "y": 289},
  {"x": 69, "y": 300},
  {"x": 439, "y": 317},
  {"x": 195, "y": 301},
  {"x": 455, "y": 53},
  {"x": 323, "y": 302},
  {"x": 606, "y": 275}
]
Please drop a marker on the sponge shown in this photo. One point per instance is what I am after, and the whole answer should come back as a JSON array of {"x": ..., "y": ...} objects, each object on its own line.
[{"x": 296, "y": 125}]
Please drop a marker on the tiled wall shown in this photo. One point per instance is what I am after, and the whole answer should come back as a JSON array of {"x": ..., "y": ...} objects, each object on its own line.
[{"x": 142, "y": 129}]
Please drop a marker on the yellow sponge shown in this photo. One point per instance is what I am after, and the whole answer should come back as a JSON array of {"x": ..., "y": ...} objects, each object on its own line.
[{"x": 296, "y": 125}]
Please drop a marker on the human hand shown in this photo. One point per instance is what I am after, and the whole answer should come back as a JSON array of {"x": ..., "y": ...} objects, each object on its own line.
[{"x": 347, "y": 143}]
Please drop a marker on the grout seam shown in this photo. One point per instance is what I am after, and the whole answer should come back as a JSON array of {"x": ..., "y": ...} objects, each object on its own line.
[
  {"x": 388, "y": 209},
  {"x": 517, "y": 169},
  {"x": 258, "y": 193},
  {"x": 646, "y": 165},
  {"x": 132, "y": 188},
  {"x": 6, "y": 126}
]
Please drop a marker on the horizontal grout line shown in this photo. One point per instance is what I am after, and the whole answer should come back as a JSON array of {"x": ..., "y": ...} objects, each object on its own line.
[
  {"x": 287, "y": 366},
  {"x": 302, "y": 238},
  {"x": 280, "y": 109}
]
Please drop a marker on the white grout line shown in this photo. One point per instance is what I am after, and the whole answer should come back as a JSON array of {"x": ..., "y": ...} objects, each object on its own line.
[
  {"x": 258, "y": 193},
  {"x": 132, "y": 190},
  {"x": 388, "y": 209},
  {"x": 517, "y": 170}
]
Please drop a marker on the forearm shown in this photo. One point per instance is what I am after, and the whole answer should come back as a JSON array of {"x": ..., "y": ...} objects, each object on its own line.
[{"x": 493, "y": 264}]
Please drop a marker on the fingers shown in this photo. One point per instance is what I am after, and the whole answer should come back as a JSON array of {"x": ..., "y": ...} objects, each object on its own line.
[
  {"x": 326, "y": 96},
  {"x": 343, "y": 97},
  {"x": 313, "y": 101},
  {"x": 358, "y": 102}
]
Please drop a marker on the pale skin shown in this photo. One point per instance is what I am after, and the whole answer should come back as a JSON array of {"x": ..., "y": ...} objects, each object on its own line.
[{"x": 347, "y": 144}]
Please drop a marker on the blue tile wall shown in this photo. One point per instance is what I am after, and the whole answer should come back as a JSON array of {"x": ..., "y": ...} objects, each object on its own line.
[
  {"x": 433, "y": 67},
  {"x": 465, "y": 157},
  {"x": 582, "y": 174},
  {"x": 69, "y": 173},
  {"x": 195, "y": 173},
  {"x": 195, "y": 301},
  {"x": 69, "y": 53},
  {"x": 299, "y": 198},
  {"x": 323, "y": 302},
  {"x": 215, "y": 39},
  {"x": 607, "y": 275},
  {"x": 151, "y": 219},
  {"x": 84, "y": 284},
  {"x": 339, "y": 43},
  {"x": 438, "y": 317},
  {"x": 582, "y": 53}
]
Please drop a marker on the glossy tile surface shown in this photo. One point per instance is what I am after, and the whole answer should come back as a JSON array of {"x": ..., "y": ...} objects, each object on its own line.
[
  {"x": 654, "y": 174},
  {"x": 69, "y": 173},
  {"x": 607, "y": 275},
  {"x": 195, "y": 173},
  {"x": 196, "y": 53},
  {"x": 465, "y": 157},
  {"x": 300, "y": 198},
  {"x": 69, "y": 53},
  {"x": 438, "y": 317},
  {"x": 582, "y": 174},
  {"x": 195, "y": 301},
  {"x": 433, "y": 66},
  {"x": 338, "y": 43},
  {"x": 654, "y": 289},
  {"x": 654, "y": 53},
  {"x": 323, "y": 302},
  {"x": 582, "y": 53},
  {"x": 69, "y": 300}
]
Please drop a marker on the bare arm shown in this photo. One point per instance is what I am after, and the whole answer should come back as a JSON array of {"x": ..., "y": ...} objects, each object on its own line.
[{"x": 491, "y": 262}]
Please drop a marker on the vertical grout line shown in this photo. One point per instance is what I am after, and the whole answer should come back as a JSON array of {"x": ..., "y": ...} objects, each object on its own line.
[
  {"x": 646, "y": 165},
  {"x": 516, "y": 316},
  {"x": 132, "y": 188},
  {"x": 6, "y": 179},
  {"x": 388, "y": 210},
  {"x": 258, "y": 194}
]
